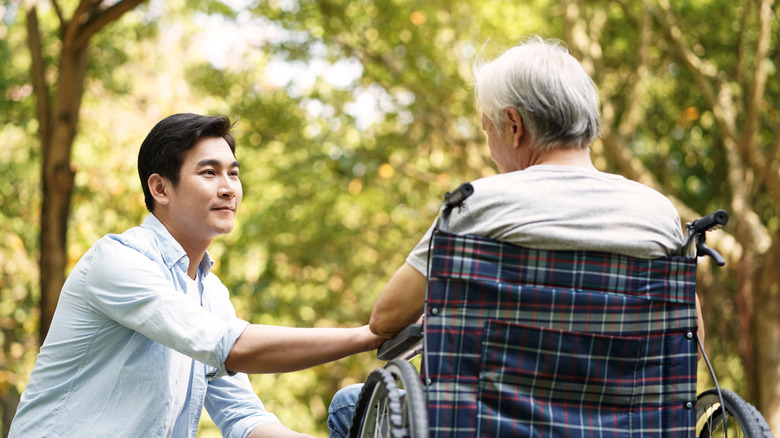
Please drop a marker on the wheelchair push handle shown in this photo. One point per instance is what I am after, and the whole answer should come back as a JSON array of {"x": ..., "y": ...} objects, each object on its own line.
[
  {"x": 710, "y": 222},
  {"x": 697, "y": 230},
  {"x": 456, "y": 197},
  {"x": 452, "y": 200}
]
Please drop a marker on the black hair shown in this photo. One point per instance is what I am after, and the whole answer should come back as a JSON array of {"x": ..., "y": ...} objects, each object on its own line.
[{"x": 165, "y": 146}]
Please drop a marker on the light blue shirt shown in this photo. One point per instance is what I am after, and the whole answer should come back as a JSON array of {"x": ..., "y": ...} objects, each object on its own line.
[{"x": 105, "y": 368}]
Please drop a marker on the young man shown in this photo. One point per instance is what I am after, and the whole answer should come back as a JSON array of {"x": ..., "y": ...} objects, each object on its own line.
[{"x": 144, "y": 335}]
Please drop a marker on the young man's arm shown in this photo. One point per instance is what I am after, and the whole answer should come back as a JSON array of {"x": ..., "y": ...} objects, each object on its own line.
[
  {"x": 400, "y": 303},
  {"x": 276, "y": 349},
  {"x": 275, "y": 430}
]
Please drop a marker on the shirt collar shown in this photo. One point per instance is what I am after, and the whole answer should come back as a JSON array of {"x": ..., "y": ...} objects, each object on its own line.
[{"x": 172, "y": 252}]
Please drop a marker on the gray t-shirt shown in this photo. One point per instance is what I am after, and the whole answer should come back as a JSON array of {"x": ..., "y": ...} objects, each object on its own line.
[{"x": 566, "y": 208}]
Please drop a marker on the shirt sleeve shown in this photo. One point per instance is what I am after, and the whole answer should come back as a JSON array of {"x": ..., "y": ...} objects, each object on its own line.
[
  {"x": 234, "y": 407},
  {"x": 134, "y": 291},
  {"x": 418, "y": 258}
]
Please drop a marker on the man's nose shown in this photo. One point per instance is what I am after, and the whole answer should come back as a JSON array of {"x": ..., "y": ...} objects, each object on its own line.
[{"x": 228, "y": 188}]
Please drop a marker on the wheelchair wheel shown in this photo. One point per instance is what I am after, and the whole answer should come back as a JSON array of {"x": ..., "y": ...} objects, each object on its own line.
[
  {"x": 391, "y": 404},
  {"x": 378, "y": 410},
  {"x": 414, "y": 408},
  {"x": 741, "y": 419}
]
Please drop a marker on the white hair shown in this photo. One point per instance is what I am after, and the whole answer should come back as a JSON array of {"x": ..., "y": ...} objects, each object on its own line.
[{"x": 556, "y": 98}]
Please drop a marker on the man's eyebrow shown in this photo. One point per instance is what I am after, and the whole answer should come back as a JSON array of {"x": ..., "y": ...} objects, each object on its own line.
[{"x": 214, "y": 162}]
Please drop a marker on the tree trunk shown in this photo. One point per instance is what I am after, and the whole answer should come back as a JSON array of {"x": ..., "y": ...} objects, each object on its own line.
[
  {"x": 58, "y": 116},
  {"x": 767, "y": 335},
  {"x": 57, "y": 188},
  {"x": 8, "y": 400},
  {"x": 57, "y": 178}
]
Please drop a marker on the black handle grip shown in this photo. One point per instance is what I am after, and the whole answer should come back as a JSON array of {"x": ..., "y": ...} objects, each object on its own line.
[
  {"x": 712, "y": 220},
  {"x": 457, "y": 196}
]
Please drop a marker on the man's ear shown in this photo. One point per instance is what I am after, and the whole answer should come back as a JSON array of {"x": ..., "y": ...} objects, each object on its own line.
[
  {"x": 159, "y": 187},
  {"x": 514, "y": 124}
]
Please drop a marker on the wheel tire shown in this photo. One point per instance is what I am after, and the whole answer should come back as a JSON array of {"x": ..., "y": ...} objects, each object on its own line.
[
  {"x": 744, "y": 417},
  {"x": 378, "y": 410},
  {"x": 414, "y": 407}
]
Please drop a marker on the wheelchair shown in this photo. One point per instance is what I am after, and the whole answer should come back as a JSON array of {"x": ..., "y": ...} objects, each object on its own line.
[{"x": 518, "y": 342}]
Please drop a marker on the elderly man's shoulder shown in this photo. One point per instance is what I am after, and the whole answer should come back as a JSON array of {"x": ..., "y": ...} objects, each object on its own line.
[{"x": 551, "y": 184}]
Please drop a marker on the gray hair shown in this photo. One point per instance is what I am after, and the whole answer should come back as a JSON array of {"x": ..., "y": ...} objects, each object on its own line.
[{"x": 556, "y": 98}]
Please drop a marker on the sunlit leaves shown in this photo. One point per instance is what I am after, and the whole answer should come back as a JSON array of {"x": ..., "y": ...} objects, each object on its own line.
[
  {"x": 354, "y": 117},
  {"x": 342, "y": 176}
]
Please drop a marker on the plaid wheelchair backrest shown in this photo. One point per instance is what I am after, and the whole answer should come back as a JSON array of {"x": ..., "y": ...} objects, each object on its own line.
[{"x": 532, "y": 343}]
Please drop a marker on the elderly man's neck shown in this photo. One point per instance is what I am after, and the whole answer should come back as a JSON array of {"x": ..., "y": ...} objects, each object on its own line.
[{"x": 579, "y": 157}]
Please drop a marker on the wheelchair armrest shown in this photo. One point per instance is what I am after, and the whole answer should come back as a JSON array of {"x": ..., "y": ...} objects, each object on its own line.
[{"x": 404, "y": 344}]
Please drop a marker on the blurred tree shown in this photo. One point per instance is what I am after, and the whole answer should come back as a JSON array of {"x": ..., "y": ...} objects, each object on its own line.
[
  {"x": 19, "y": 207},
  {"x": 58, "y": 95},
  {"x": 356, "y": 116},
  {"x": 360, "y": 120},
  {"x": 681, "y": 114},
  {"x": 688, "y": 110},
  {"x": 57, "y": 67}
]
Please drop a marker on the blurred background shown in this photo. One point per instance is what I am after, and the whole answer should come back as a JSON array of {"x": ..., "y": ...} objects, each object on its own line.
[{"x": 354, "y": 118}]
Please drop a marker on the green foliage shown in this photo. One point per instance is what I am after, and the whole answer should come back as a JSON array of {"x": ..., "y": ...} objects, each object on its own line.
[
  {"x": 679, "y": 140},
  {"x": 342, "y": 178},
  {"x": 14, "y": 83},
  {"x": 19, "y": 211},
  {"x": 19, "y": 207},
  {"x": 354, "y": 118}
]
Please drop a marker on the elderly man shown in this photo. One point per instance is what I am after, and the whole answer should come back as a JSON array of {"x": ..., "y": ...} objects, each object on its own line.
[{"x": 540, "y": 113}]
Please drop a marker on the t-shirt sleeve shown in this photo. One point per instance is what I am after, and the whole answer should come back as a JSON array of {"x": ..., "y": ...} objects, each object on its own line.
[{"x": 418, "y": 258}]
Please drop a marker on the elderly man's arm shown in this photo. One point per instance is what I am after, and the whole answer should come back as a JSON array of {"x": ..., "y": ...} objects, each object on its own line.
[{"x": 400, "y": 303}]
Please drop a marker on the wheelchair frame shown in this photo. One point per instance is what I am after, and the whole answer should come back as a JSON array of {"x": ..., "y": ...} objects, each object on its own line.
[{"x": 393, "y": 402}]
